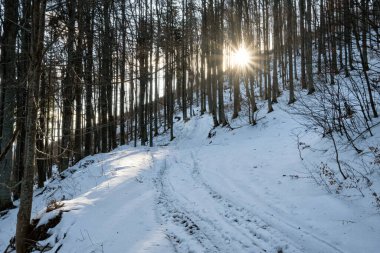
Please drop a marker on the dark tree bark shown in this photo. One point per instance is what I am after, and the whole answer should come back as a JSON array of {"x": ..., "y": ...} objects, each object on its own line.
[
  {"x": 41, "y": 133},
  {"x": 18, "y": 167},
  {"x": 221, "y": 114},
  {"x": 26, "y": 198},
  {"x": 78, "y": 90},
  {"x": 142, "y": 56},
  {"x": 9, "y": 89},
  {"x": 309, "y": 52},
  {"x": 276, "y": 49},
  {"x": 122, "y": 72},
  {"x": 321, "y": 38},
  {"x": 68, "y": 88},
  {"x": 88, "y": 68},
  {"x": 105, "y": 79},
  {"x": 303, "y": 42},
  {"x": 290, "y": 51}
]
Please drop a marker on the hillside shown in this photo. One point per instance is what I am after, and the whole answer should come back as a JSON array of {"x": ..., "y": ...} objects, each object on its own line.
[{"x": 234, "y": 189}]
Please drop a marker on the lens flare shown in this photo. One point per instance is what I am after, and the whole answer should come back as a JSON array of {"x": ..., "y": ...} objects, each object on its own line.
[{"x": 240, "y": 58}]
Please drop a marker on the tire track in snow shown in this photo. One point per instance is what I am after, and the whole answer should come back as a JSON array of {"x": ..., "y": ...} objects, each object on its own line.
[
  {"x": 255, "y": 223},
  {"x": 219, "y": 229},
  {"x": 182, "y": 230},
  {"x": 251, "y": 226},
  {"x": 216, "y": 233},
  {"x": 231, "y": 227}
]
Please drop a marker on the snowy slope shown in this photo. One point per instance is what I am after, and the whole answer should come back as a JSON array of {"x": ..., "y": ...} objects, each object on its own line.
[{"x": 242, "y": 190}]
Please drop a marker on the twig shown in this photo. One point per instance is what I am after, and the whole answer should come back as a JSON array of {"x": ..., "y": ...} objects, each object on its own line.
[{"x": 298, "y": 146}]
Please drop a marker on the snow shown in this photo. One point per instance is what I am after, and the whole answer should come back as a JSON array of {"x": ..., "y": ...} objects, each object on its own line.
[{"x": 242, "y": 190}]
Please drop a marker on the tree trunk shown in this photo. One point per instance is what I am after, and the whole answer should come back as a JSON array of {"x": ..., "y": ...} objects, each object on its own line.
[
  {"x": 68, "y": 96},
  {"x": 290, "y": 51},
  {"x": 122, "y": 73},
  {"x": 309, "y": 52},
  {"x": 88, "y": 27},
  {"x": 18, "y": 167},
  {"x": 222, "y": 116},
  {"x": 276, "y": 47},
  {"x": 26, "y": 198},
  {"x": 9, "y": 89},
  {"x": 303, "y": 42}
]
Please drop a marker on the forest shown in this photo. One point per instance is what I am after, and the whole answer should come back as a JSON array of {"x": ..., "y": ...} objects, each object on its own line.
[{"x": 83, "y": 77}]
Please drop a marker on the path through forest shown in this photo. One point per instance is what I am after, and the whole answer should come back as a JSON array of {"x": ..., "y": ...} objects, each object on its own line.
[
  {"x": 223, "y": 190},
  {"x": 213, "y": 197}
]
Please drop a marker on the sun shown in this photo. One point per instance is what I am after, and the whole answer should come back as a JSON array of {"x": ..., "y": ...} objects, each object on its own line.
[{"x": 241, "y": 57}]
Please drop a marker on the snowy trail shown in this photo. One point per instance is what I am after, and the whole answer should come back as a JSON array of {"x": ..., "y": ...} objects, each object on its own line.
[
  {"x": 215, "y": 223},
  {"x": 200, "y": 217},
  {"x": 237, "y": 192},
  {"x": 222, "y": 226},
  {"x": 117, "y": 212},
  {"x": 269, "y": 222}
]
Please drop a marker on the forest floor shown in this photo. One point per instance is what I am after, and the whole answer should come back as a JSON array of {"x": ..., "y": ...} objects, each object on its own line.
[{"x": 240, "y": 189}]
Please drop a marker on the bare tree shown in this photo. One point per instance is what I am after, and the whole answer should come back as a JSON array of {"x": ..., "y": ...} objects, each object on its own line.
[
  {"x": 36, "y": 53},
  {"x": 8, "y": 98}
]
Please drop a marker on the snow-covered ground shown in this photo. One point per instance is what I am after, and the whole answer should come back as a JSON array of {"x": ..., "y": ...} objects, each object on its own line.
[{"x": 242, "y": 190}]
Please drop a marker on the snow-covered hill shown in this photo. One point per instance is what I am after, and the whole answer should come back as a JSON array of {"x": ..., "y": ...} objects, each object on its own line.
[{"x": 240, "y": 189}]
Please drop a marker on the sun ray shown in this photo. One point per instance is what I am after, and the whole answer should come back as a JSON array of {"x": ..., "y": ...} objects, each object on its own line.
[{"x": 241, "y": 58}]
